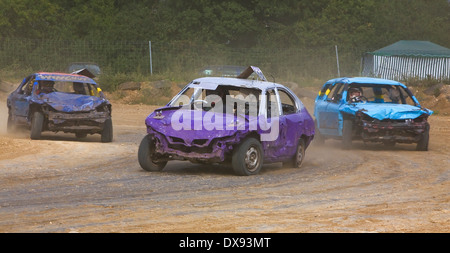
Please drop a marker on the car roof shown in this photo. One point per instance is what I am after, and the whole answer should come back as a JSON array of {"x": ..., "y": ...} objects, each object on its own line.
[
  {"x": 364, "y": 80},
  {"x": 55, "y": 76},
  {"x": 213, "y": 82}
]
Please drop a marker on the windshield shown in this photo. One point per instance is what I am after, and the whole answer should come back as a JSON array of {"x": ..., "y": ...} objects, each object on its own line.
[
  {"x": 226, "y": 99},
  {"x": 48, "y": 86},
  {"x": 393, "y": 94}
]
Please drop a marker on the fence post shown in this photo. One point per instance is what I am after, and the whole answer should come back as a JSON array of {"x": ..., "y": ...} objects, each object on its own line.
[
  {"x": 337, "y": 60},
  {"x": 150, "y": 51}
]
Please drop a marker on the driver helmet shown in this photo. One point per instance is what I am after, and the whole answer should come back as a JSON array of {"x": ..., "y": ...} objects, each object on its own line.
[{"x": 354, "y": 90}]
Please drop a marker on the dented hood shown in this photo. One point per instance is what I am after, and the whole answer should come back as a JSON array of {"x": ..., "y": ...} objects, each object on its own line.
[
  {"x": 65, "y": 102},
  {"x": 386, "y": 111},
  {"x": 176, "y": 122}
]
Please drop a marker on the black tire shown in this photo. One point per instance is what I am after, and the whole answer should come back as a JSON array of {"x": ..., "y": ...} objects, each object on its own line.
[
  {"x": 422, "y": 144},
  {"x": 107, "y": 132},
  {"x": 297, "y": 160},
  {"x": 248, "y": 157},
  {"x": 37, "y": 124},
  {"x": 145, "y": 153},
  {"x": 347, "y": 132}
]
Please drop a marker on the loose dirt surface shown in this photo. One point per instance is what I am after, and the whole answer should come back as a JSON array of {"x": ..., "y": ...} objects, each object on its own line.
[{"x": 61, "y": 184}]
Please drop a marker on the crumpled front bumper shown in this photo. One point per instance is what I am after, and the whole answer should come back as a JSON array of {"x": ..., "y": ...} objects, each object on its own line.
[
  {"x": 90, "y": 122},
  {"x": 402, "y": 131},
  {"x": 198, "y": 150}
]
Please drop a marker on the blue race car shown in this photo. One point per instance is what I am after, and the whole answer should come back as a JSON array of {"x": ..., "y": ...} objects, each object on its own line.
[
  {"x": 371, "y": 110},
  {"x": 55, "y": 102}
]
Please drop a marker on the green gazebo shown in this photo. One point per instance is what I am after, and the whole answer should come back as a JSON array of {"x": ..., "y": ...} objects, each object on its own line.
[{"x": 408, "y": 59}]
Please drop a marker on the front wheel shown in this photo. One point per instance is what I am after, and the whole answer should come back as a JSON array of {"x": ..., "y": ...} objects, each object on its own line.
[
  {"x": 145, "y": 154},
  {"x": 10, "y": 126},
  {"x": 422, "y": 145},
  {"x": 107, "y": 132},
  {"x": 347, "y": 132},
  {"x": 248, "y": 157},
  {"x": 37, "y": 124}
]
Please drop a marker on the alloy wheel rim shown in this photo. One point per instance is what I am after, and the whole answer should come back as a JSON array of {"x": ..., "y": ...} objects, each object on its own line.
[
  {"x": 299, "y": 156},
  {"x": 252, "y": 159}
]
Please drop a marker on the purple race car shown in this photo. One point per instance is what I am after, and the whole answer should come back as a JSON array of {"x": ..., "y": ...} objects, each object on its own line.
[
  {"x": 234, "y": 121},
  {"x": 70, "y": 103}
]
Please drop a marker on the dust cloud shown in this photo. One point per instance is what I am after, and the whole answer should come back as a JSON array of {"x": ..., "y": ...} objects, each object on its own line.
[{"x": 3, "y": 116}]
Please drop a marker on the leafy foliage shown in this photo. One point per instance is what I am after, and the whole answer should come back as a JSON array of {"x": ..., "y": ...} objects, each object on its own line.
[
  {"x": 291, "y": 38},
  {"x": 280, "y": 23}
]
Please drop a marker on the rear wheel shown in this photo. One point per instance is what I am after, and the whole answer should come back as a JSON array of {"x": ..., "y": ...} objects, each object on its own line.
[
  {"x": 247, "y": 158},
  {"x": 37, "y": 123},
  {"x": 145, "y": 154},
  {"x": 347, "y": 131},
  {"x": 297, "y": 160}
]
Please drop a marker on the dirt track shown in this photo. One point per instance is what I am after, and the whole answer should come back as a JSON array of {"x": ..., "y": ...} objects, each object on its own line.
[{"x": 61, "y": 184}]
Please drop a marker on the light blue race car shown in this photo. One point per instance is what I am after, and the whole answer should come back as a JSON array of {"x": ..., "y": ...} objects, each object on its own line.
[{"x": 371, "y": 110}]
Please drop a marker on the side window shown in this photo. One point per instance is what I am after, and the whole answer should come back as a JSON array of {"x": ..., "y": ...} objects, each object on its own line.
[
  {"x": 405, "y": 98},
  {"x": 27, "y": 87},
  {"x": 337, "y": 93},
  {"x": 272, "y": 104},
  {"x": 287, "y": 103},
  {"x": 324, "y": 89}
]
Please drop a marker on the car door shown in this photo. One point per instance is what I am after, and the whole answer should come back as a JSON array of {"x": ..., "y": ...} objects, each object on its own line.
[
  {"x": 271, "y": 128},
  {"x": 291, "y": 123},
  {"x": 282, "y": 112},
  {"x": 20, "y": 100},
  {"x": 328, "y": 112}
]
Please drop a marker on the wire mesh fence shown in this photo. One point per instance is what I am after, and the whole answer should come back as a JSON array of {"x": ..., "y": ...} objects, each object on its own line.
[{"x": 177, "y": 57}]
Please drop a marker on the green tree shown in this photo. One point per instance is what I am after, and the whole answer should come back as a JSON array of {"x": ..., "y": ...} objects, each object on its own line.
[
  {"x": 235, "y": 23},
  {"x": 208, "y": 21},
  {"x": 28, "y": 18},
  {"x": 86, "y": 19}
]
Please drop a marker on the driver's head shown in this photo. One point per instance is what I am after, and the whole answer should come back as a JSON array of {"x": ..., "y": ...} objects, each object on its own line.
[
  {"x": 354, "y": 92},
  {"x": 46, "y": 86}
]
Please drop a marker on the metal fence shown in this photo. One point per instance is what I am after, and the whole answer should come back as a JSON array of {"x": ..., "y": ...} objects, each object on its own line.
[
  {"x": 178, "y": 57},
  {"x": 404, "y": 67}
]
